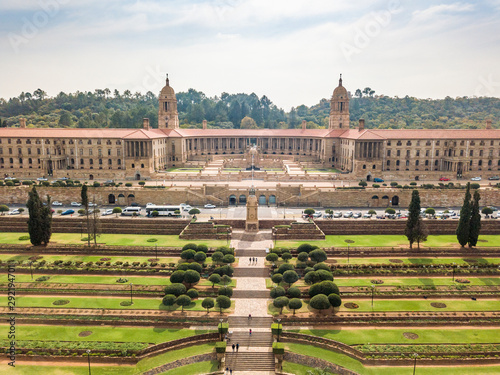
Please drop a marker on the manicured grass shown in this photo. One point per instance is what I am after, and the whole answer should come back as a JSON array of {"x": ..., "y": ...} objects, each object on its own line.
[
  {"x": 114, "y": 239},
  {"x": 390, "y": 241},
  {"x": 381, "y": 305},
  {"x": 153, "y": 335},
  {"x": 419, "y": 261},
  {"x": 354, "y": 365},
  {"x": 195, "y": 368},
  {"x": 105, "y": 280},
  {"x": 107, "y": 303},
  {"x": 395, "y": 336},
  {"x": 90, "y": 258}
]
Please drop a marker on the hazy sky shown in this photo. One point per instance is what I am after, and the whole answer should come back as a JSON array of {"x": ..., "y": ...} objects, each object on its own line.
[{"x": 290, "y": 50}]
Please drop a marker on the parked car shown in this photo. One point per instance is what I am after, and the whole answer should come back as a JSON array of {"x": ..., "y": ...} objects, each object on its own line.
[
  {"x": 41, "y": 179},
  {"x": 9, "y": 178},
  {"x": 380, "y": 217},
  {"x": 327, "y": 216},
  {"x": 15, "y": 212},
  {"x": 337, "y": 214},
  {"x": 91, "y": 204},
  {"x": 63, "y": 178},
  {"x": 107, "y": 212},
  {"x": 378, "y": 179},
  {"x": 348, "y": 214},
  {"x": 494, "y": 178},
  {"x": 149, "y": 204},
  {"x": 209, "y": 205},
  {"x": 134, "y": 204},
  {"x": 367, "y": 216},
  {"x": 317, "y": 214},
  {"x": 187, "y": 208},
  {"x": 68, "y": 212},
  {"x": 444, "y": 179},
  {"x": 56, "y": 203},
  {"x": 476, "y": 179},
  {"x": 75, "y": 204}
]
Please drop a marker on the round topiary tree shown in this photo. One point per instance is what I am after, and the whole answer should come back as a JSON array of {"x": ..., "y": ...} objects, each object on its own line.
[
  {"x": 309, "y": 211},
  {"x": 390, "y": 211},
  {"x": 188, "y": 254},
  {"x": 225, "y": 250},
  {"x": 208, "y": 303},
  {"x": 286, "y": 256},
  {"x": 175, "y": 289},
  {"x": 194, "y": 211},
  {"x": 311, "y": 277},
  {"x": 225, "y": 291},
  {"x": 217, "y": 257},
  {"x": 334, "y": 300},
  {"x": 195, "y": 267},
  {"x": 272, "y": 257},
  {"x": 430, "y": 211},
  {"x": 305, "y": 247},
  {"x": 117, "y": 210},
  {"x": 319, "y": 302},
  {"x": 225, "y": 279},
  {"x": 295, "y": 304},
  {"x": 191, "y": 246},
  {"x": 362, "y": 183},
  {"x": 318, "y": 255},
  {"x": 228, "y": 259},
  {"x": 191, "y": 277},
  {"x": 223, "y": 302},
  {"x": 177, "y": 277},
  {"x": 200, "y": 256},
  {"x": 169, "y": 300},
  {"x": 303, "y": 257},
  {"x": 277, "y": 278},
  {"x": 183, "y": 266},
  {"x": 321, "y": 266},
  {"x": 324, "y": 287},
  {"x": 281, "y": 302},
  {"x": 487, "y": 211},
  {"x": 192, "y": 293},
  {"x": 183, "y": 301},
  {"x": 293, "y": 292},
  {"x": 278, "y": 292},
  {"x": 372, "y": 212},
  {"x": 290, "y": 277},
  {"x": 285, "y": 267},
  {"x": 203, "y": 248},
  {"x": 214, "y": 279},
  {"x": 324, "y": 275}
]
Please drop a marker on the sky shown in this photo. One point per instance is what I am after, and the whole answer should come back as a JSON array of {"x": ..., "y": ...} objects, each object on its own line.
[{"x": 292, "y": 51}]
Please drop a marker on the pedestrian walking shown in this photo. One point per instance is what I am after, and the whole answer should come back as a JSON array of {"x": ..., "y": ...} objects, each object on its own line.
[
  {"x": 250, "y": 331},
  {"x": 250, "y": 260},
  {"x": 249, "y": 316},
  {"x": 227, "y": 370},
  {"x": 255, "y": 260},
  {"x": 231, "y": 371},
  {"x": 237, "y": 347},
  {"x": 234, "y": 347}
]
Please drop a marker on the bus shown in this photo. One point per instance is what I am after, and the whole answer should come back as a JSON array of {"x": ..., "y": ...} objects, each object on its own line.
[{"x": 163, "y": 210}]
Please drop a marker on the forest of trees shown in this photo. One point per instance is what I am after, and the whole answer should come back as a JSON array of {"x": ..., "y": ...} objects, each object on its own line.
[{"x": 103, "y": 108}]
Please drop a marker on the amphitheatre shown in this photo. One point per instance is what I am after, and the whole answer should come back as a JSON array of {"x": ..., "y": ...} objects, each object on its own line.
[{"x": 297, "y": 295}]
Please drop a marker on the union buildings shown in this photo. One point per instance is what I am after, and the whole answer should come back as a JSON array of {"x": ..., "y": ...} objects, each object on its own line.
[{"x": 140, "y": 153}]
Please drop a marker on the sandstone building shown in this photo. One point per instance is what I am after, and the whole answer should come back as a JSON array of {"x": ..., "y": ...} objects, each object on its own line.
[{"x": 142, "y": 153}]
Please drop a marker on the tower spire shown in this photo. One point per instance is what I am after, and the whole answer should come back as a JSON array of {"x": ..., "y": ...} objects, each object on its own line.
[
  {"x": 168, "y": 81},
  {"x": 340, "y": 80}
]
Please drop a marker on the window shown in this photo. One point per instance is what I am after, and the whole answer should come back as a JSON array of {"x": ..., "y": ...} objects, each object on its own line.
[
  {"x": 480, "y": 152},
  {"x": 461, "y": 152},
  {"x": 398, "y": 153},
  {"x": 437, "y": 143},
  {"x": 142, "y": 165},
  {"x": 399, "y": 143},
  {"x": 480, "y": 163},
  {"x": 91, "y": 161},
  {"x": 436, "y": 163},
  {"x": 388, "y": 153},
  {"x": 416, "y": 163},
  {"x": 38, "y": 151},
  {"x": 407, "y": 163},
  {"x": 90, "y": 151},
  {"x": 418, "y": 153},
  {"x": 397, "y": 163},
  {"x": 407, "y": 153},
  {"x": 118, "y": 142},
  {"x": 364, "y": 166},
  {"x": 388, "y": 143},
  {"x": 89, "y": 142},
  {"x": 10, "y": 151},
  {"x": 30, "y": 161},
  {"x": 29, "y": 151},
  {"x": 80, "y": 142},
  {"x": 408, "y": 143},
  {"x": 100, "y": 161},
  {"x": 374, "y": 166},
  {"x": 110, "y": 162},
  {"x": 19, "y": 151},
  {"x": 81, "y": 162},
  {"x": 118, "y": 152},
  {"x": 109, "y": 152},
  {"x": 471, "y": 153},
  {"x": 426, "y": 163},
  {"x": 99, "y": 152},
  {"x": 437, "y": 152},
  {"x": 388, "y": 163},
  {"x": 119, "y": 161}
]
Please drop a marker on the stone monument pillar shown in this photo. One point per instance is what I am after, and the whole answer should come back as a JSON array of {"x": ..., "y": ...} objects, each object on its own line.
[{"x": 252, "y": 222}]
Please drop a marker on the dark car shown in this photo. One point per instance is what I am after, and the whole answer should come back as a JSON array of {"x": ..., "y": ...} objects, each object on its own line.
[
  {"x": 68, "y": 212},
  {"x": 494, "y": 178},
  {"x": 378, "y": 179}
]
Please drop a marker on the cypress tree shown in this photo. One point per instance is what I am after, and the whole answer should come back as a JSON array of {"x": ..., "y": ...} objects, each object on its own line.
[
  {"x": 35, "y": 207},
  {"x": 464, "y": 223},
  {"x": 475, "y": 220},
  {"x": 85, "y": 204},
  {"x": 412, "y": 224},
  {"x": 46, "y": 222}
]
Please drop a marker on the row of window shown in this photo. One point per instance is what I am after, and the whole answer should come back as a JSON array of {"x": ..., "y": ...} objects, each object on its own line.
[
  {"x": 437, "y": 143},
  {"x": 427, "y": 163},
  {"x": 449, "y": 153},
  {"x": 59, "y": 151},
  {"x": 82, "y": 161},
  {"x": 71, "y": 141}
]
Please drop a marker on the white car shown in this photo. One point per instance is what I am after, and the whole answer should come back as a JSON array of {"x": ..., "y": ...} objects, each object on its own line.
[
  {"x": 367, "y": 216},
  {"x": 41, "y": 179},
  {"x": 107, "y": 212},
  {"x": 75, "y": 204},
  {"x": 187, "y": 208},
  {"x": 348, "y": 214},
  {"x": 92, "y": 204},
  {"x": 317, "y": 214},
  {"x": 15, "y": 212},
  {"x": 150, "y": 204},
  {"x": 57, "y": 203},
  {"x": 209, "y": 205},
  {"x": 476, "y": 178}
]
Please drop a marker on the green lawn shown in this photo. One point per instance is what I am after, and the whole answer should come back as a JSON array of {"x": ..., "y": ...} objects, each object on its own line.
[
  {"x": 389, "y": 240},
  {"x": 153, "y": 335},
  {"x": 381, "y": 305},
  {"x": 195, "y": 368},
  {"x": 114, "y": 239},
  {"x": 105, "y": 303},
  {"x": 395, "y": 336},
  {"x": 142, "y": 366},
  {"x": 354, "y": 365}
]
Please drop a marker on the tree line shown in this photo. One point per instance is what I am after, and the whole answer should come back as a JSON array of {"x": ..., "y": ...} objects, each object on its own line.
[{"x": 103, "y": 108}]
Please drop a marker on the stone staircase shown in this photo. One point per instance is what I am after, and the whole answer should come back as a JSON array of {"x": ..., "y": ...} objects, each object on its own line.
[
  {"x": 251, "y": 294},
  {"x": 250, "y": 361},
  {"x": 255, "y": 322},
  {"x": 256, "y": 340},
  {"x": 251, "y": 272}
]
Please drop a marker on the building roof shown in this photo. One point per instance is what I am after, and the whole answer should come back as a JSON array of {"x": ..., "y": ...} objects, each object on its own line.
[
  {"x": 80, "y": 133},
  {"x": 381, "y": 134},
  {"x": 253, "y": 132}
]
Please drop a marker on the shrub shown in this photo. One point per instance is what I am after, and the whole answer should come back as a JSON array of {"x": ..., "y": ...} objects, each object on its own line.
[
  {"x": 362, "y": 183},
  {"x": 305, "y": 247},
  {"x": 176, "y": 289},
  {"x": 278, "y": 292},
  {"x": 295, "y": 304},
  {"x": 23, "y": 238},
  {"x": 225, "y": 250},
  {"x": 152, "y": 240},
  {"x": 475, "y": 186},
  {"x": 224, "y": 270},
  {"x": 272, "y": 257},
  {"x": 277, "y": 278},
  {"x": 177, "y": 277},
  {"x": 188, "y": 254},
  {"x": 376, "y": 186},
  {"x": 293, "y": 292},
  {"x": 334, "y": 300},
  {"x": 303, "y": 257},
  {"x": 319, "y": 302},
  {"x": 169, "y": 300},
  {"x": 393, "y": 184},
  {"x": 96, "y": 184},
  {"x": 142, "y": 183},
  {"x": 225, "y": 291},
  {"x": 228, "y": 258},
  {"x": 285, "y": 267},
  {"x": 192, "y": 293},
  {"x": 390, "y": 211},
  {"x": 321, "y": 266},
  {"x": 318, "y": 255},
  {"x": 203, "y": 248}
]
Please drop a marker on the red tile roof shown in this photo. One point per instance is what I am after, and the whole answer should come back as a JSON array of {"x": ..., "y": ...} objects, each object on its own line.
[
  {"x": 253, "y": 132},
  {"x": 381, "y": 134},
  {"x": 80, "y": 133}
]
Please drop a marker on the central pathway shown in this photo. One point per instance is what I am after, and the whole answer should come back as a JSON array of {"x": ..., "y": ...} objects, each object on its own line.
[{"x": 254, "y": 355}]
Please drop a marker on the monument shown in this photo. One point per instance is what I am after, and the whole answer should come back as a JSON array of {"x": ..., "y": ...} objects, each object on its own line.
[{"x": 252, "y": 222}]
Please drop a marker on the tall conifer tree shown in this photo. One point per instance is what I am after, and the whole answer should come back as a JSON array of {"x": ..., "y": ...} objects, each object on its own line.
[
  {"x": 464, "y": 223},
  {"x": 415, "y": 229},
  {"x": 85, "y": 204},
  {"x": 475, "y": 220}
]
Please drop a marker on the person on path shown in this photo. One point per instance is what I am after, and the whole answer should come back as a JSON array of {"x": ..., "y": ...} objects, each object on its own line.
[
  {"x": 234, "y": 347},
  {"x": 231, "y": 371},
  {"x": 227, "y": 370},
  {"x": 250, "y": 331},
  {"x": 237, "y": 347},
  {"x": 249, "y": 316},
  {"x": 250, "y": 260}
]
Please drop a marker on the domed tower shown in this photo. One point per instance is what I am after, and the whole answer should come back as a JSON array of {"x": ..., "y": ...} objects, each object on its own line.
[
  {"x": 168, "y": 118},
  {"x": 339, "y": 108}
]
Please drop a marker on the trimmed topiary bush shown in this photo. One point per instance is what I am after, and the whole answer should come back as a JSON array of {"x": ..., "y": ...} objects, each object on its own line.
[
  {"x": 175, "y": 289},
  {"x": 293, "y": 292},
  {"x": 191, "y": 246},
  {"x": 278, "y": 292},
  {"x": 192, "y": 293},
  {"x": 305, "y": 247},
  {"x": 334, "y": 300}
]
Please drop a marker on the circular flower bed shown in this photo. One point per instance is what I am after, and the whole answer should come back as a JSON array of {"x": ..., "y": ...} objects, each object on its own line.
[
  {"x": 462, "y": 281},
  {"x": 152, "y": 240},
  {"x": 121, "y": 280},
  {"x": 377, "y": 281},
  {"x": 410, "y": 335},
  {"x": 350, "y": 305},
  {"x": 85, "y": 333},
  {"x": 43, "y": 278},
  {"x": 438, "y": 305},
  {"x": 125, "y": 303},
  {"x": 104, "y": 259},
  {"x": 395, "y": 261},
  {"x": 60, "y": 302}
]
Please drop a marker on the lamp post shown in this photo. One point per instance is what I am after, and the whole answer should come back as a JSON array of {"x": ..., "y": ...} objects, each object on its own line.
[
  {"x": 415, "y": 355},
  {"x": 348, "y": 242},
  {"x": 31, "y": 270},
  {"x": 453, "y": 272},
  {"x": 220, "y": 328},
  {"x": 131, "y": 300},
  {"x": 88, "y": 358},
  {"x": 279, "y": 326},
  {"x": 373, "y": 291}
]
